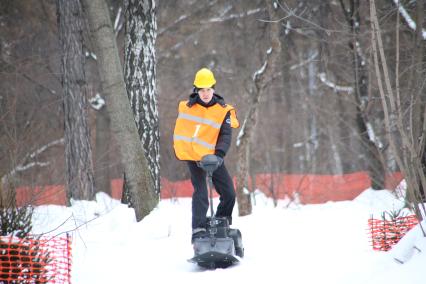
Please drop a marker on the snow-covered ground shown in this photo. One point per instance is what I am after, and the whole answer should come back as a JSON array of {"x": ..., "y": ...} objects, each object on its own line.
[{"x": 290, "y": 243}]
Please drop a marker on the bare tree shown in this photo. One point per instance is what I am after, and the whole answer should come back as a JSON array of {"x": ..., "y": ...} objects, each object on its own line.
[
  {"x": 261, "y": 79},
  {"x": 122, "y": 122},
  {"x": 28, "y": 162},
  {"x": 140, "y": 78},
  {"x": 315, "y": 131},
  {"x": 78, "y": 152},
  {"x": 409, "y": 155},
  {"x": 372, "y": 147}
]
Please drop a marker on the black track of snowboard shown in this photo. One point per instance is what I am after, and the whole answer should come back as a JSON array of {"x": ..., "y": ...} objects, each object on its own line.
[{"x": 214, "y": 260}]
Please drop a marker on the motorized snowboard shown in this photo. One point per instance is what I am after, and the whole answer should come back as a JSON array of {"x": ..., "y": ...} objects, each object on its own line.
[{"x": 221, "y": 246}]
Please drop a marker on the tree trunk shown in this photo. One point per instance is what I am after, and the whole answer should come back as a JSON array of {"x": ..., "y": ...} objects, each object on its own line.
[
  {"x": 418, "y": 103},
  {"x": 102, "y": 151},
  {"x": 288, "y": 134},
  {"x": 122, "y": 122},
  {"x": 140, "y": 78},
  {"x": 7, "y": 193},
  {"x": 78, "y": 152},
  {"x": 261, "y": 78},
  {"x": 242, "y": 177},
  {"x": 373, "y": 156},
  {"x": 312, "y": 131},
  {"x": 417, "y": 91}
]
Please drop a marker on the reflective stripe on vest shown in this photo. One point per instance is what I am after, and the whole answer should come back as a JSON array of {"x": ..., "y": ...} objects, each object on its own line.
[
  {"x": 194, "y": 139},
  {"x": 199, "y": 120},
  {"x": 197, "y": 129}
]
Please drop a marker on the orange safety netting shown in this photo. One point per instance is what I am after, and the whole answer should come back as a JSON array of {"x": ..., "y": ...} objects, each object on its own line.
[
  {"x": 35, "y": 260},
  {"x": 386, "y": 233},
  {"x": 309, "y": 188}
]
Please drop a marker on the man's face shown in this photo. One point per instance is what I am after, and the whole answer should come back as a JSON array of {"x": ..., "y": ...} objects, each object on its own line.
[{"x": 206, "y": 94}]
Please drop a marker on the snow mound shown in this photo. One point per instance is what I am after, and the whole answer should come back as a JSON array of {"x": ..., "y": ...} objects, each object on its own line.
[{"x": 380, "y": 201}]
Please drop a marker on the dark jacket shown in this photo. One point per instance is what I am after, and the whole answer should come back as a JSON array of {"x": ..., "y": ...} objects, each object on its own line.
[{"x": 225, "y": 134}]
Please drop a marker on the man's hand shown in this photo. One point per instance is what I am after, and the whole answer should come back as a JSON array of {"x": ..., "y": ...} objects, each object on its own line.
[
  {"x": 219, "y": 161},
  {"x": 210, "y": 163}
]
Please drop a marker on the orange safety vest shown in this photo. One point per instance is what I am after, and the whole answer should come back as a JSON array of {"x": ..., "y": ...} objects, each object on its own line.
[{"x": 197, "y": 129}]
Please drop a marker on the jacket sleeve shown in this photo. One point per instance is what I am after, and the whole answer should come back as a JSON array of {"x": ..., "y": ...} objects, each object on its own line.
[{"x": 225, "y": 136}]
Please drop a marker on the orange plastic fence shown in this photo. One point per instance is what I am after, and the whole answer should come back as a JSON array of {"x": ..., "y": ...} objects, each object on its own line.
[
  {"x": 309, "y": 188},
  {"x": 40, "y": 195},
  {"x": 386, "y": 233},
  {"x": 313, "y": 188},
  {"x": 30, "y": 260}
]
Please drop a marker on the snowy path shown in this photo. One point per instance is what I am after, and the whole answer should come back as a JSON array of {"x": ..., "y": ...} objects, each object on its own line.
[{"x": 325, "y": 243}]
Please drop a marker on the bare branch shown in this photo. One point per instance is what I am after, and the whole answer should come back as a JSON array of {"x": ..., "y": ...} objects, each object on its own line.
[
  {"x": 184, "y": 17},
  {"x": 27, "y": 163},
  {"x": 192, "y": 36},
  {"x": 17, "y": 71},
  {"x": 408, "y": 161},
  {"x": 302, "y": 63},
  {"x": 293, "y": 13},
  {"x": 222, "y": 17}
]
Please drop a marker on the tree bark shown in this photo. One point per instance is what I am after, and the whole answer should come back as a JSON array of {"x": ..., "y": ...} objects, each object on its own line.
[
  {"x": 417, "y": 91},
  {"x": 140, "y": 78},
  {"x": 78, "y": 152},
  {"x": 7, "y": 194},
  {"x": 102, "y": 151},
  {"x": 122, "y": 122},
  {"x": 418, "y": 103},
  {"x": 373, "y": 156},
  {"x": 261, "y": 79}
]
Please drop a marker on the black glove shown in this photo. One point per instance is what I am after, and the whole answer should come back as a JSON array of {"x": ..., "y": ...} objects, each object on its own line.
[
  {"x": 219, "y": 161},
  {"x": 210, "y": 163}
]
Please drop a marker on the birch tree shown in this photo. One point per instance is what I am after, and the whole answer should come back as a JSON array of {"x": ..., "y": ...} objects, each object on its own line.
[
  {"x": 122, "y": 122},
  {"x": 140, "y": 78},
  {"x": 78, "y": 152},
  {"x": 261, "y": 78}
]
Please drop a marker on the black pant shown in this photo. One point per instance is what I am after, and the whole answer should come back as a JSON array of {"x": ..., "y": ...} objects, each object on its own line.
[{"x": 200, "y": 198}]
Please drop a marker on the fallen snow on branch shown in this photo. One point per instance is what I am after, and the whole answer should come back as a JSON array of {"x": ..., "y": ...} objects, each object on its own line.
[
  {"x": 410, "y": 22},
  {"x": 233, "y": 16},
  {"x": 27, "y": 163},
  {"x": 332, "y": 85},
  {"x": 97, "y": 102},
  {"x": 260, "y": 71}
]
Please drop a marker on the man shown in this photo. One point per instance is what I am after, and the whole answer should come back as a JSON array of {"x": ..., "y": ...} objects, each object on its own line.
[{"x": 204, "y": 126}]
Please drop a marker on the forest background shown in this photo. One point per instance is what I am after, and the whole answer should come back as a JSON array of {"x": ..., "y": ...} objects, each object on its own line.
[{"x": 321, "y": 111}]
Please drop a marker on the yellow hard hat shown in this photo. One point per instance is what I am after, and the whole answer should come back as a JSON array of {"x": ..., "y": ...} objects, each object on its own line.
[{"x": 204, "y": 78}]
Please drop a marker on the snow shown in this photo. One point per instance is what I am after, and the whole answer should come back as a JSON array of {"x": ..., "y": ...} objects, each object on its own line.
[
  {"x": 323, "y": 78},
  {"x": 291, "y": 243},
  {"x": 410, "y": 22},
  {"x": 260, "y": 71},
  {"x": 117, "y": 19},
  {"x": 97, "y": 102}
]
